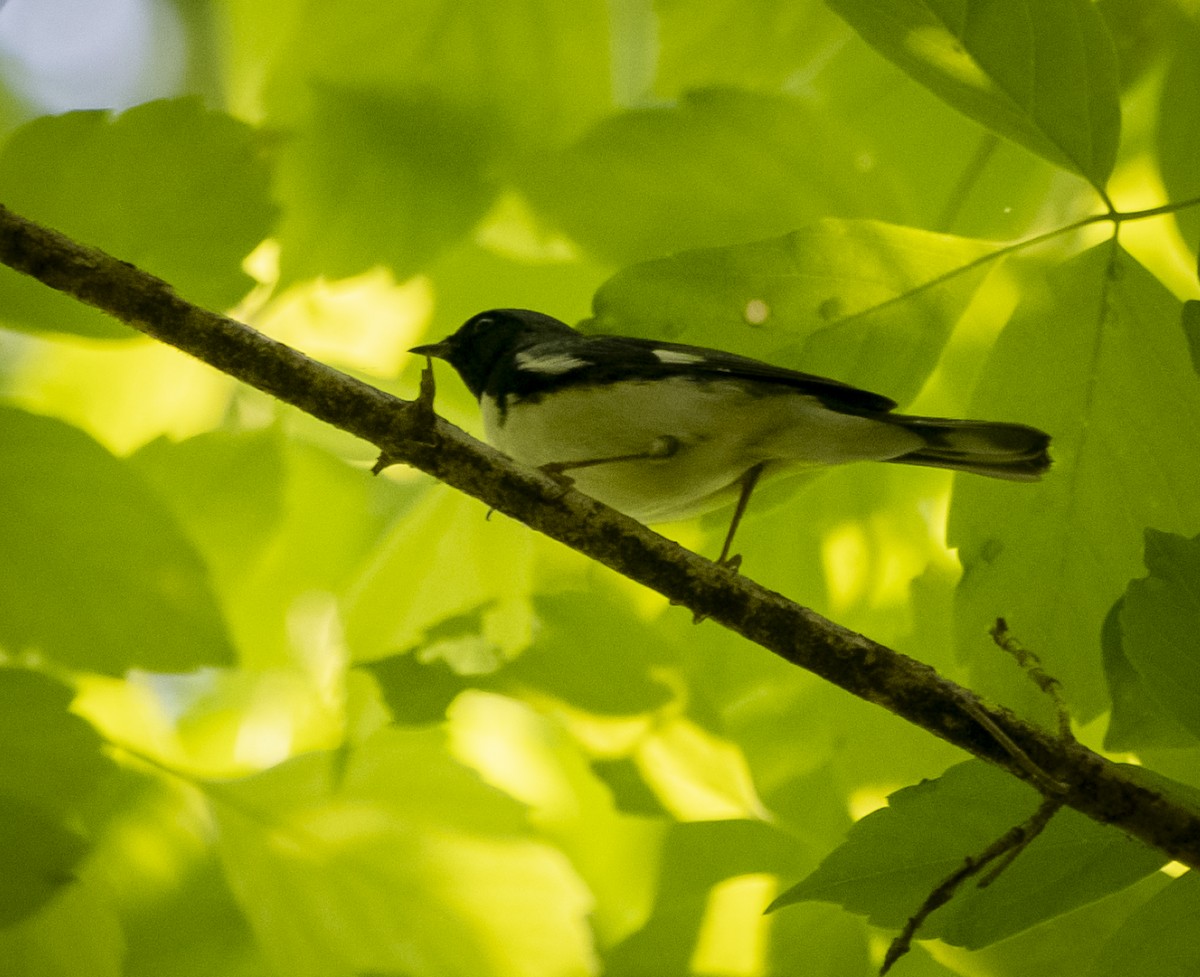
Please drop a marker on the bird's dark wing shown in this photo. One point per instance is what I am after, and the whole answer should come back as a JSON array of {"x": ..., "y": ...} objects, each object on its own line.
[{"x": 612, "y": 358}]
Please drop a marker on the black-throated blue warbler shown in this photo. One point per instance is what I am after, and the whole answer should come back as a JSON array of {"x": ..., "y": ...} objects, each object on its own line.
[{"x": 663, "y": 431}]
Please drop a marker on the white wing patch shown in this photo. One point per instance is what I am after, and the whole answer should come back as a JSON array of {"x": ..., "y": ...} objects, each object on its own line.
[
  {"x": 676, "y": 356},
  {"x": 552, "y": 364}
]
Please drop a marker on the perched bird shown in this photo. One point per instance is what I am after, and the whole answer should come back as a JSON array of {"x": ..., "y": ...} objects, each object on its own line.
[{"x": 663, "y": 431}]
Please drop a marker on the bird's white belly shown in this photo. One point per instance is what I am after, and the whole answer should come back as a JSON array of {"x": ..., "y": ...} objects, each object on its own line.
[{"x": 718, "y": 429}]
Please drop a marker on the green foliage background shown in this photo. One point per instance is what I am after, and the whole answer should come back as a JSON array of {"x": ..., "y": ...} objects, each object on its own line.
[{"x": 263, "y": 714}]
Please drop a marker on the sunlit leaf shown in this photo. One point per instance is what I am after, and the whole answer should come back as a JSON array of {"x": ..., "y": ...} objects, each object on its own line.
[
  {"x": 416, "y": 577},
  {"x": 1040, "y": 72},
  {"x": 857, "y": 300},
  {"x": 405, "y": 864},
  {"x": 695, "y": 858},
  {"x": 1097, "y": 359},
  {"x": 94, "y": 572},
  {"x": 177, "y": 189},
  {"x": 893, "y": 858}
]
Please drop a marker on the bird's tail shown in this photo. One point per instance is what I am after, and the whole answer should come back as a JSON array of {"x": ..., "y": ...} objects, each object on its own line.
[{"x": 1013, "y": 451}]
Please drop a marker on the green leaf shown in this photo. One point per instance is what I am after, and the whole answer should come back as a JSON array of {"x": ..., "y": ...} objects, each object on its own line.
[
  {"x": 1097, "y": 359},
  {"x": 1040, "y": 72},
  {"x": 36, "y": 860},
  {"x": 51, "y": 758},
  {"x": 406, "y": 864},
  {"x": 416, "y": 691},
  {"x": 170, "y": 186},
  {"x": 420, "y": 574},
  {"x": 695, "y": 858},
  {"x": 539, "y": 72},
  {"x": 1190, "y": 320},
  {"x": 77, "y": 932},
  {"x": 1137, "y": 721},
  {"x": 594, "y": 653},
  {"x": 94, "y": 572},
  {"x": 1158, "y": 624},
  {"x": 226, "y": 488},
  {"x": 893, "y": 858},
  {"x": 1158, "y": 939},
  {"x": 630, "y": 792},
  {"x": 720, "y": 166},
  {"x": 1178, "y": 130},
  {"x": 50, "y": 766},
  {"x": 764, "y": 45},
  {"x": 856, "y": 300},
  {"x": 372, "y": 178}
]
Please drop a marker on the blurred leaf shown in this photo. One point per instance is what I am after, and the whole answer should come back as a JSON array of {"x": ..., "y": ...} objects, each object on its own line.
[
  {"x": 893, "y": 858},
  {"x": 417, "y": 692},
  {"x": 37, "y": 858},
  {"x": 1112, "y": 383},
  {"x": 631, "y": 793},
  {"x": 1137, "y": 722},
  {"x": 76, "y": 932},
  {"x": 594, "y": 653},
  {"x": 226, "y": 487},
  {"x": 1190, "y": 319},
  {"x": 1040, "y": 72},
  {"x": 539, "y": 73},
  {"x": 1158, "y": 625},
  {"x": 857, "y": 300},
  {"x": 174, "y": 188},
  {"x": 52, "y": 758},
  {"x": 696, "y": 857},
  {"x": 722, "y": 166},
  {"x": 194, "y": 929},
  {"x": 409, "y": 865},
  {"x": 439, "y": 559},
  {"x": 50, "y": 766},
  {"x": 372, "y": 178},
  {"x": 1178, "y": 130},
  {"x": 765, "y": 45},
  {"x": 1158, "y": 939},
  {"x": 588, "y": 650},
  {"x": 331, "y": 514},
  {"x": 94, "y": 572},
  {"x": 1143, "y": 31}
]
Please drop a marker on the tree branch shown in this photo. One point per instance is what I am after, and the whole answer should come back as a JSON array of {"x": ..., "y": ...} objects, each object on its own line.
[{"x": 405, "y": 431}]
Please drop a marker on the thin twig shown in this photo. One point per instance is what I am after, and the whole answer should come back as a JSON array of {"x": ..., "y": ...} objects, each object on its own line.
[
  {"x": 1007, "y": 847},
  {"x": 1035, "y": 774},
  {"x": 1033, "y": 668}
]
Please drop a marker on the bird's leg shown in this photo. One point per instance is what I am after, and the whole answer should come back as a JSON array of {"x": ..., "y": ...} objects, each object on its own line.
[
  {"x": 749, "y": 480},
  {"x": 663, "y": 447}
]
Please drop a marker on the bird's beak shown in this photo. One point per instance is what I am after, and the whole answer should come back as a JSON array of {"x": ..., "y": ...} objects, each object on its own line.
[{"x": 432, "y": 349}]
